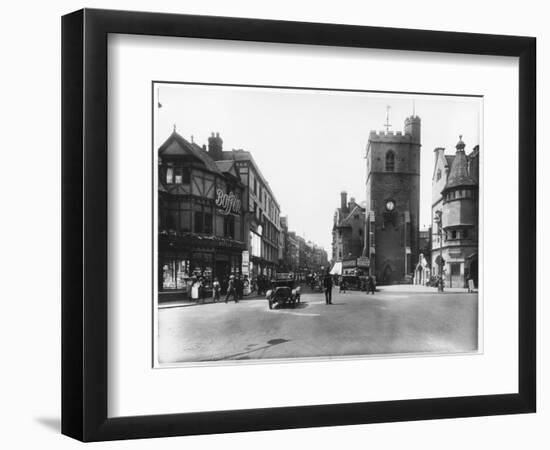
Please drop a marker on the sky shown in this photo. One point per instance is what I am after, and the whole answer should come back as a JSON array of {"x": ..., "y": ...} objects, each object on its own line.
[{"x": 310, "y": 144}]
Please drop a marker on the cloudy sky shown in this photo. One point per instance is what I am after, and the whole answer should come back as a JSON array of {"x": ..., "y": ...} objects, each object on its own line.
[{"x": 310, "y": 144}]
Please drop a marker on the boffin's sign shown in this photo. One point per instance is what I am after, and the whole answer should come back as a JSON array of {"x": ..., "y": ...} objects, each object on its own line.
[{"x": 228, "y": 203}]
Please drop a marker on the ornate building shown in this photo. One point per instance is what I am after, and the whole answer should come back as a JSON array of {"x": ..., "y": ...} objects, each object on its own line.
[
  {"x": 200, "y": 216},
  {"x": 455, "y": 215},
  {"x": 393, "y": 202}
]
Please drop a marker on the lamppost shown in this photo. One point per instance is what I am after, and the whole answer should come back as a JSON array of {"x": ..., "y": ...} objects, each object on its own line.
[{"x": 441, "y": 261}]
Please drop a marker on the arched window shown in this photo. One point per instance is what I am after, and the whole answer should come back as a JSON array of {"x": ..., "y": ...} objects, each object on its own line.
[{"x": 390, "y": 161}]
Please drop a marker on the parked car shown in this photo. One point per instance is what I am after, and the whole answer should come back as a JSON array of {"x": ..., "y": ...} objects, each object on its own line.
[{"x": 283, "y": 291}]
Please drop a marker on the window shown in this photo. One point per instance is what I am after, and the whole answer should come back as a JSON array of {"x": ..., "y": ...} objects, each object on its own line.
[
  {"x": 453, "y": 234},
  {"x": 203, "y": 222},
  {"x": 169, "y": 175},
  {"x": 229, "y": 226},
  {"x": 438, "y": 174},
  {"x": 464, "y": 234},
  {"x": 390, "y": 161}
]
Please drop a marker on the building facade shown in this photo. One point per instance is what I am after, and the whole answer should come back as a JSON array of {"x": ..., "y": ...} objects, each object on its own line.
[
  {"x": 348, "y": 229},
  {"x": 261, "y": 210},
  {"x": 200, "y": 217},
  {"x": 455, "y": 216},
  {"x": 393, "y": 203}
]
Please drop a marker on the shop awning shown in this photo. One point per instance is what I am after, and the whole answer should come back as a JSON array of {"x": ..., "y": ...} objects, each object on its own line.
[{"x": 337, "y": 268}]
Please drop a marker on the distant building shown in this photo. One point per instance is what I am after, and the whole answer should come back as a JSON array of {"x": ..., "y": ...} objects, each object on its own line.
[
  {"x": 348, "y": 229},
  {"x": 393, "y": 202},
  {"x": 455, "y": 215}
]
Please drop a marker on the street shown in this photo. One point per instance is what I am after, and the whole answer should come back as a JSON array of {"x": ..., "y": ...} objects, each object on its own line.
[{"x": 389, "y": 322}]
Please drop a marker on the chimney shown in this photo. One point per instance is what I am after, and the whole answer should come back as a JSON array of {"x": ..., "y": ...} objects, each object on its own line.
[
  {"x": 438, "y": 151},
  {"x": 351, "y": 202},
  {"x": 215, "y": 146},
  {"x": 343, "y": 200}
]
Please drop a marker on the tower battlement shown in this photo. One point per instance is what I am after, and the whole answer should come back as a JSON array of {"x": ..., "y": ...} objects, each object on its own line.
[{"x": 388, "y": 136}]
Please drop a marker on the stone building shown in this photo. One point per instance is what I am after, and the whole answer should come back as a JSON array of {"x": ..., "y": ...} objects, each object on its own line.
[
  {"x": 455, "y": 215},
  {"x": 393, "y": 202},
  {"x": 348, "y": 229},
  {"x": 200, "y": 217},
  {"x": 261, "y": 210}
]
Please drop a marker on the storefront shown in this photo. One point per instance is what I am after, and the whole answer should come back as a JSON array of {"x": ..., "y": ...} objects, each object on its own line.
[{"x": 187, "y": 258}]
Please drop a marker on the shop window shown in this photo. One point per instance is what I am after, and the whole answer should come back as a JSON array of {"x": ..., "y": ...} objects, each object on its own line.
[{"x": 390, "y": 161}]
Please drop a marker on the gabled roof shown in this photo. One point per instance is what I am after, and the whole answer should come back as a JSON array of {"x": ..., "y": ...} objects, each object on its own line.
[
  {"x": 346, "y": 221},
  {"x": 176, "y": 145},
  {"x": 227, "y": 167}
]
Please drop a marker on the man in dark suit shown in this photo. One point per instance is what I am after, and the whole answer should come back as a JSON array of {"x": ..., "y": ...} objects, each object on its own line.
[{"x": 327, "y": 283}]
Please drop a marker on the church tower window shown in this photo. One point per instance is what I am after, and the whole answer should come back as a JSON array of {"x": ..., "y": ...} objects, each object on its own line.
[{"x": 390, "y": 161}]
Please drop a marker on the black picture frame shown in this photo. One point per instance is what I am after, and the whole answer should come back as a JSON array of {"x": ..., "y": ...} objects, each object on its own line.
[{"x": 84, "y": 224}]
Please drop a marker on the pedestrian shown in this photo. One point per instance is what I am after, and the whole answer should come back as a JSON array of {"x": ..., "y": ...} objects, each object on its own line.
[
  {"x": 239, "y": 287},
  {"x": 327, "y": 283},
  {"x": 370, "y": 284},
  {"x": 231, "y": 289},
  {"x": 246, "y": 285},
  {"x": 202, "y": 289},
  {"x": 216, "y": 290},
  {"x": 195, "y": 290},
  {"x": 342, "y": 285}
]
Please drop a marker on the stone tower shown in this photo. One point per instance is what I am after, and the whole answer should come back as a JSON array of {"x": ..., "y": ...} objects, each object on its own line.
[{"x": 393, "y": 202}]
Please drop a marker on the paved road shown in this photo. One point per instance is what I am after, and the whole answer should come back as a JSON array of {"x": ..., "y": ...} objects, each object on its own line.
[{"x": 356, "y": 324}]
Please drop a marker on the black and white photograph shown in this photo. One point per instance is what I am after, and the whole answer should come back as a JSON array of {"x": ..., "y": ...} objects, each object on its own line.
[{"x": 294, "y": 223}]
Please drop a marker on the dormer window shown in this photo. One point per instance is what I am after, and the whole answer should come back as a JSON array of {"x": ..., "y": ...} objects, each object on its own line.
[{"x": 390, "y": 161}]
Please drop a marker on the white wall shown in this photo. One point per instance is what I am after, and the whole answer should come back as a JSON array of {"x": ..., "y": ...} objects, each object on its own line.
[{"x": 30, "y": 229}]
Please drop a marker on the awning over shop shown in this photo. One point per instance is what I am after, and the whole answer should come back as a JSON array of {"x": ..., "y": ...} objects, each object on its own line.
[{"x": 337, "y": 268}]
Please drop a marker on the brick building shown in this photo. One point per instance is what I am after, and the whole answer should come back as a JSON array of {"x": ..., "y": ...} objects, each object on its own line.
[
  {"x": 393, "y": 202},
  {"x": 348, "y": 229}
]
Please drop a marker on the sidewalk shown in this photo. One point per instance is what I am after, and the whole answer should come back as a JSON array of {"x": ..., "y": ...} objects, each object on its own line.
[
  {"x": 207, "y": 301},
  {"x": 419, "y": 289}
]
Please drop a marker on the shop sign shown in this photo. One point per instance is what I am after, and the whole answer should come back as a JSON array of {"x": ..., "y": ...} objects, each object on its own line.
[
  {"x": 363, "y": 262},
  {"x": 229, "y": 203},
  {"x": 349, "y": 263}
]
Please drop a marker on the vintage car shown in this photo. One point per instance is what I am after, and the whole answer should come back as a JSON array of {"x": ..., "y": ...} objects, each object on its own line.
[{"x": 283, "y": 291}]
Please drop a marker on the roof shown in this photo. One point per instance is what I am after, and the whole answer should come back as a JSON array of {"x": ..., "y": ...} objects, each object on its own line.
[
  {"x": 450, "y": 159},
  {"x": 243, "y": 155},
  {"x": 227, "y": 167},
  {"x": 346, "y": 221},
  {"x": 458, "y": 176},
  {"x": 176, "y": 145}
]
